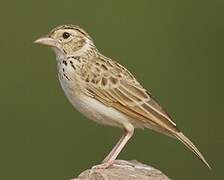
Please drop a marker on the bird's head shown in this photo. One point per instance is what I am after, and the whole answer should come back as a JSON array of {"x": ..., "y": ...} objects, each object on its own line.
[{"x": 67, "y": 40}]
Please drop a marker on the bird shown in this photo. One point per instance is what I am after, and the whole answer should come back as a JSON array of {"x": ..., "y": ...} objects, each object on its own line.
[{"x": 105, "y": 91}]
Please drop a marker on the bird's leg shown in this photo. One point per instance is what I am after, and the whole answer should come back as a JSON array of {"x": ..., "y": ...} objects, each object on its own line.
[
  {"x": 106, "y": 159},
  {"x": 110, "y": 159},
  {"x": 128, "y": 133}
]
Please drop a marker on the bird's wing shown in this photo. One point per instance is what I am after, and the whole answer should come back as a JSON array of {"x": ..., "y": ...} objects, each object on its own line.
[{"x": 115, "y": 86}]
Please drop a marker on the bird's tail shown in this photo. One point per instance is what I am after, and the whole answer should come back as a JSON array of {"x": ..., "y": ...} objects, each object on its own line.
[{"x": 187, "y": 142}]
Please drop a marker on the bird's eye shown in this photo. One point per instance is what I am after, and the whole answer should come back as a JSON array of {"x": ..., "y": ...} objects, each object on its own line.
[{"x": 66, "y": 35}]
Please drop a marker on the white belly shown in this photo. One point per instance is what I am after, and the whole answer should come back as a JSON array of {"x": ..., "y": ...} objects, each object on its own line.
[{"x": 94, "y": 109}]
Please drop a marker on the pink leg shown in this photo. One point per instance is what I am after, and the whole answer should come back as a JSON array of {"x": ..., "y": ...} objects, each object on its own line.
[{"x": 128, "y": 132}]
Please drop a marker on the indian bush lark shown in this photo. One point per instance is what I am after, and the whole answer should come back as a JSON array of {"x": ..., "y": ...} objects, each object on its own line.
[{"x": 105, "y": 91}]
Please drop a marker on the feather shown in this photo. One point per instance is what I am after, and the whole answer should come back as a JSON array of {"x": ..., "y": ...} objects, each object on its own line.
[
  {"x": 187, "y": 142},
  {"x": 120, "y": 90}
]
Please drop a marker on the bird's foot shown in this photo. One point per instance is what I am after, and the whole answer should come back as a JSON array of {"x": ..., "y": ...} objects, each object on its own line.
[
  {"x": 106, "y": 165},
  {"x": 103, "y": 165}
]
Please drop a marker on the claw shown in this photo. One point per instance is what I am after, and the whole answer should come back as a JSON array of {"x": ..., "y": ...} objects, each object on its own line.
[
  {"x": 112, "y": 163},
  {"x": 104, "y": 165}
]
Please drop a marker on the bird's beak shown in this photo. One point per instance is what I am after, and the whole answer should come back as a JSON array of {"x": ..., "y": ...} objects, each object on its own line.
[{"x": 46, "y": 41}]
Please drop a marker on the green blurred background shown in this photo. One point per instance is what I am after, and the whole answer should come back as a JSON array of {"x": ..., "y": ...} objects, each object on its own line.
[{"x": 175, "y": 48}]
